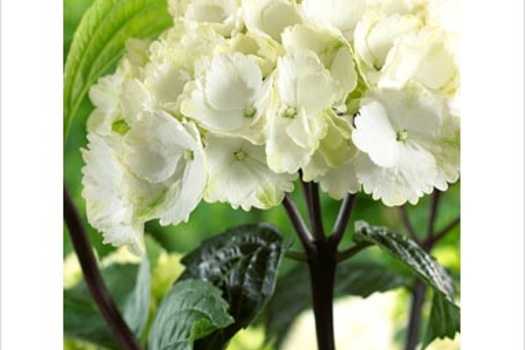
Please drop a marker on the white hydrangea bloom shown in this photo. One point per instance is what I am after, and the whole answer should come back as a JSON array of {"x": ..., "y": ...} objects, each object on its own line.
[
  {"x": 395, "y": 48},
  {"x": 332, "y": 50},
  {"x": 263, "y": 49},
  {"x": 334, "y": 149},
  {"x": 401, "y": 134},
  {"x": 231, "y": 98},
  {"x": 239, "y": 175},
  {"x": 185, "y": 47},
  {"x": 297, "y": 120},
  {"x": 338, "y": 15},
  {"x": 223, "y": 16},
  {"x": 271, "y": 85},
  {"x": 154, "y": 170},
  {"x": 109, "y": 205},
  {"x": 270, "y": 17},
  {"x": 376, "y": 33},
  {"x": 115, "y": 96},
  {"x": 105, "y": 96},
  {"x": 168, "y": 155},
  {"x": 425, "y": 57}
]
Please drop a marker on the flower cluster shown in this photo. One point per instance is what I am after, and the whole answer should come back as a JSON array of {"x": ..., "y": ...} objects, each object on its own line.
[{"x": 238, "y": 97}]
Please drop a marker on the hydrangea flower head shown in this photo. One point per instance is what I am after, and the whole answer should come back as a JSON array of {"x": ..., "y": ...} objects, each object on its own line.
[{"x": 240, "y": 97}]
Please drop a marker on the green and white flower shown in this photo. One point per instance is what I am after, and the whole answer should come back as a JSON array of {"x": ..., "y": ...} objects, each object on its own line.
[
  {"x": 297, "y": 119},
  {"x": 376, "y": 34},
  {"x": 333, "y": 51},
  {"x": 396, "y": 48},
  {"x": 340, "y": 16},
  {"x": 270, "y": 17},
  {"x": 239, "y": 175},
  {"x": 263, "y": 49},
  {"x": 231, "y": 98},
  {"x": 425, "y": 57},
  {"x": 401, "y": 136},
  {"x": 153, "y": 170},
  {"x": 109, "y": 204},
  {"x": 168, "y": 155},
  {"x": 334, "y": 149},
  {"x": 223, "y": 16}
]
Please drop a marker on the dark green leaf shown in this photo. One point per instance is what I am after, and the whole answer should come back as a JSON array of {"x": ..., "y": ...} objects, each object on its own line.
[
  {"x": 243, "y": 263},
  {"x": 409, "y": 253},
  {"x": 128, "y": 284},
  {"x": 191, "y": 310},
  {"x": 99, "y": 42},
  {"x": 292, "y": 294},
  {"x": 444, "y": 320}
]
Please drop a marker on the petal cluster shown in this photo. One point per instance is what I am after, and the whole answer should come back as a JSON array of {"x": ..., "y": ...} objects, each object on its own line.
[{"x": 239, "y": 97}]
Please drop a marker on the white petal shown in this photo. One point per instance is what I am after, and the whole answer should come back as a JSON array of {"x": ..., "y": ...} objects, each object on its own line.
[
  {"x": 108, "y": 205},
  {"x": 192, "y": 183},
  {"x": 239, "y": 175},
  {"x": 284, "y": 155},
  {"x": 232, "y": 99},
  {"x": 155, "y": 145},
  {"x": 270, "y": 16},
  {"x": 341, "y": 15},
  {"x": 375, "y": 135},
  {"x": 340, "y": 181},
  {"x": 411, "y": 178},
  {"x": 232, "y": 82},
  {"x": 166, "y": 82},
  {"x": 135, "y": 99},
  {"x": 303, "y": 82}
]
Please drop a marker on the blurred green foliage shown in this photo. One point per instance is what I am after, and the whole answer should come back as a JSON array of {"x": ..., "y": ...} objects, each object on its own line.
[{"x": 210, "y": 219}]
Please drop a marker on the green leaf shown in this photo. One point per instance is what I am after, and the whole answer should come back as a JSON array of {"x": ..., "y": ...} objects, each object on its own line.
[
  {"x": 136, "y": 309},
  {"x": 409, "y": 253},
  {"x": 444, "y": 320},
  {"x": 129, "y": 285},
  {"x": 293, "y": 296},
  {"x": 99, "y": 42},
  {"x": 191, "y": 310},
  {"x": 243, "y": 263}
]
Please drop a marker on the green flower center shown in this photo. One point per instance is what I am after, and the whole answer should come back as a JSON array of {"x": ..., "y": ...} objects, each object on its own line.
[
  {"x": 120, "y": 127},
  {"x": 249, "y": 112},
  {"x": 290, "y": 112},
  {"x": 239, "y": 155},
  {"x": 189, "y": 155},
  {"x": 402, "y": 136}
]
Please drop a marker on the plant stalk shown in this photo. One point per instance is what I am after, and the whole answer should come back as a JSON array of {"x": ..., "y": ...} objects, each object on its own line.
[
  {"x": 93, "y": 278},
  {"x": 416, "y": 306},
  {"x": 322, "y": 266}
]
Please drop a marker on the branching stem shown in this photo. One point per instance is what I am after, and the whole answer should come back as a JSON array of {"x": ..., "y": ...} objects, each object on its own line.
[
  {"x": 343, "y": 217},
  {"x": 298, "y": 223}
]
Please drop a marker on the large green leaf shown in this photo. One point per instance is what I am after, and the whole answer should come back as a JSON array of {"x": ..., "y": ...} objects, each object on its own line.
[
  {"x": 444, "y": 320},
  {"x": 99, "y": 42},
  {"x": 293, "y": 296},
  {"x": 409, "y": 253},
  {"x": 243, "y": 263},
  {"x": 129, "y": 285},
  {"x": 191, "y": 310}
]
